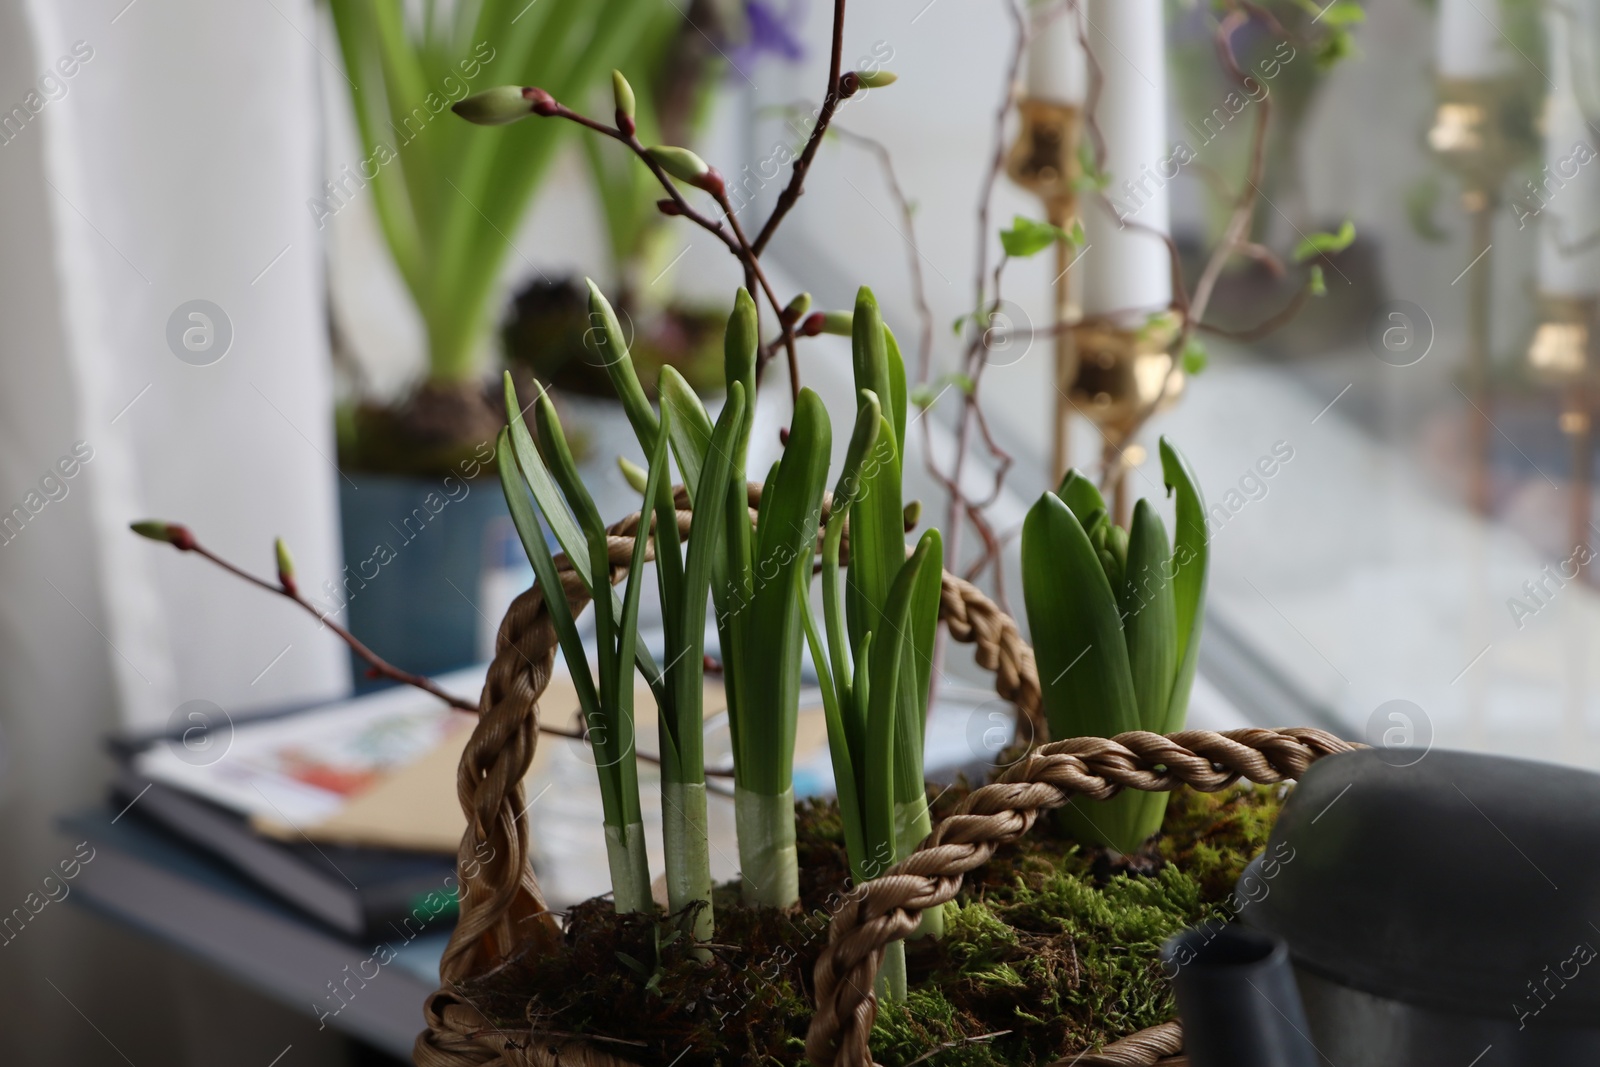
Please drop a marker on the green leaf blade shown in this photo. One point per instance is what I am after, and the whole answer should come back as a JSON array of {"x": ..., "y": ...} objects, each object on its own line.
[
  {"x": 1191, "y": 559},
  {"x": 1149, "y": 616},
  {"x": 1078, "y": 640}
]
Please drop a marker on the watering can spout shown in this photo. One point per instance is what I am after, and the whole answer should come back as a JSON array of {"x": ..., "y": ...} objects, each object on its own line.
[{"x": 1237, "y": 998}]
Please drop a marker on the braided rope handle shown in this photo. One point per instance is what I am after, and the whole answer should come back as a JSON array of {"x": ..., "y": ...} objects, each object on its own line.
[{"x": 502, "y": 911}]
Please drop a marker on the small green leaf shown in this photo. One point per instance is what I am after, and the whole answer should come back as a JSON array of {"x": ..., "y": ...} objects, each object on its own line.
[
  {"x": 1091, "y": 178},
  {"x": 1322, "y": 244},
  {"x": 875, "y": 79},
  {"x": 1195, "y": 357},
  {"x": 1339, "y": 44},
  {"x": 1317, "y": 283},
  {"x": 1027, "y": 237},
  {"x": 1342, "y": 13}
]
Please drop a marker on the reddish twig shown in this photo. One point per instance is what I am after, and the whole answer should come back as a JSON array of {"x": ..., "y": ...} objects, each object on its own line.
[
  {"x": 960, "y": 505},
  {"x": 183, "y": 540},
  {"x": 919, "y": 287},
  {"x": 802, "y": 166}
]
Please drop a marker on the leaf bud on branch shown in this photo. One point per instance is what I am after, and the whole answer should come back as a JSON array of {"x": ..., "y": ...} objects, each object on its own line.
[
  {"x": 173, "y": 534},
  {"x": 504, "y": 104},
  {"x": 285, "y": 567},
  {"x": 623, "y": 94}
]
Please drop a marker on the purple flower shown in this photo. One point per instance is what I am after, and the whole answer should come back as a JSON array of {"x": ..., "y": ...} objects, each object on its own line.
[{"x": 771, "y": 32}]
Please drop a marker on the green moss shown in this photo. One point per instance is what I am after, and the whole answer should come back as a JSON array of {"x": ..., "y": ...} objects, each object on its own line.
[{"x": 1050, "y": 949}]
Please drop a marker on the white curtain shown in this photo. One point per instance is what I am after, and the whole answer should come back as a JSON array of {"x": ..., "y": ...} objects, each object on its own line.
[{"x": 151, "y": 154}]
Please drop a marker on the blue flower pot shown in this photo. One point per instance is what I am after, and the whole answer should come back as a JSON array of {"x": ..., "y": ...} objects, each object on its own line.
[{"x": 426, "y": 559}]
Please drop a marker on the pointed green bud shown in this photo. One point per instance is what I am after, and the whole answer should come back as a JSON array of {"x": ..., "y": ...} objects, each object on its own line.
[
  {"x": 1095, "y": 526},
  {"x": 503, "y": 104},
  {"x": 687, "y": 167},
  {"x": 1117, "y": 545},
  {"x": 622, "y": 92},
  {"x": 173, "y": 534},
  {"x": 913, "y": 514},
  {"x": 797, "y": 308},
  {"x": 633, "y": 474},
  {"x": 681, "y": 163},
  {"x": 838, "y": 323},
  {"x": 740, "y": 343},
  {"x": 156, "y": 531},
  {"x": 285, "y": 567},
  {"x": 854, "y": 81},
  {"x": 740, "y": 346}
]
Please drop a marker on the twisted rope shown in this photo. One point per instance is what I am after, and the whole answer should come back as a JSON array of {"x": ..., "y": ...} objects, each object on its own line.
[
  {"x": 889, "y": 907},
  {"x": 502, "y": 910},
  {"x": 1157, "y": 1045}
]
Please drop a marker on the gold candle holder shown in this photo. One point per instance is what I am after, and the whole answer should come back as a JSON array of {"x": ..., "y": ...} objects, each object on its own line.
[
  {"x": 1559, "y": 351},
  {"x": 1124, "y": 372},
  {"x": 1561, "y": 354},
  {"x": 1044, "y": 161},
  {"x": 1123, "y": 375},
  {"x": 1480, "y": 130},
  {"x": 1044, "y": 157}
]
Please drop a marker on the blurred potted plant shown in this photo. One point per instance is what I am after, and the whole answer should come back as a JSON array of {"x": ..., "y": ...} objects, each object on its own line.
[{"x": 415, "y": 531}]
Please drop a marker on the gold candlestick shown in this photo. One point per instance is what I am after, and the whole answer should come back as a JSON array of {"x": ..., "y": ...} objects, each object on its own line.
[
  {"x": 1123, "y": 374},
  {"x": 1562, "y": 354},
  {"x": 1044, "y": 160},
  {"x": 1480, "y": 130}
]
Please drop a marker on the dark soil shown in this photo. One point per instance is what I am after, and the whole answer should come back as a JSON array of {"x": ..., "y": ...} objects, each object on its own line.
[
  {"x": 439, "y": 429},
  {"x": 1050, "y": 949},
  {"x": 544, "y": 336}
]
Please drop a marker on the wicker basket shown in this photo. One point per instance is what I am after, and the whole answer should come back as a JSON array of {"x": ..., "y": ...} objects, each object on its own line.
[{"x": 502, "y": 912}]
